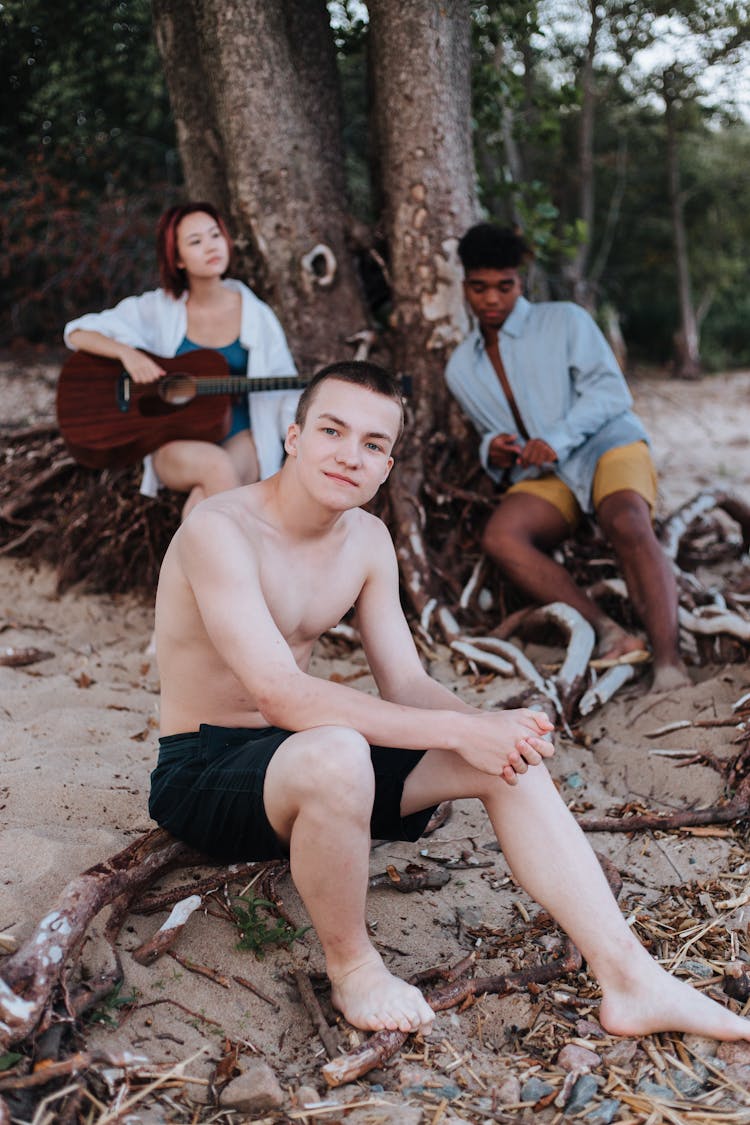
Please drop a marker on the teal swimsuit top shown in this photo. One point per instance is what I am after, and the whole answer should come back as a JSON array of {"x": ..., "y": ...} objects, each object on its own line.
[{"x": 236, "y": 357}]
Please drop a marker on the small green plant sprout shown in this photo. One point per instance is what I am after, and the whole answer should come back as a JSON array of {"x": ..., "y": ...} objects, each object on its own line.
[
  {"x": 106, "y": 1011},
  {"x": 258, "y": 930}
]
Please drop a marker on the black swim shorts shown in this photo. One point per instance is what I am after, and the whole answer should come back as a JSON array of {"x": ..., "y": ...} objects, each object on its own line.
[{"x": 207, "y": 790}]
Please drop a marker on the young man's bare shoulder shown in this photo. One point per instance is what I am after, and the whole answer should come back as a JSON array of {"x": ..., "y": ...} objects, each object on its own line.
[
  {"x": 225, "y": 521},
  {"x": 372, "y": 536}
]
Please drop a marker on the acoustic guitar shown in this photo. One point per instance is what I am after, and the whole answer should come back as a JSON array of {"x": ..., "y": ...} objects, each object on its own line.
[{"x": 107, "y": 420}]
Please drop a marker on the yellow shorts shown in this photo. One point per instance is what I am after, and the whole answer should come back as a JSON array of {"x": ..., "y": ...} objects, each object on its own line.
[{"x": 626, "y": 466}]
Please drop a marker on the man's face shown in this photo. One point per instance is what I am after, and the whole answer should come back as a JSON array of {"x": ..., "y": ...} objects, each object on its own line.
[
  {"x": 492, "y": 295},
  {"x": 344, "y": 448}
]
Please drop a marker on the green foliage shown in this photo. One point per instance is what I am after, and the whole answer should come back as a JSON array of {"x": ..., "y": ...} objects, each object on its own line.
[
  {"x": 106, "y": 1012},
  {"x": 67, "y": 250},
  {"x": 82, "y": 84},
  {"x": 258, "y": 930},
  {"x": 87, "y": 159},
  {"x": 9, "y": 1059}
]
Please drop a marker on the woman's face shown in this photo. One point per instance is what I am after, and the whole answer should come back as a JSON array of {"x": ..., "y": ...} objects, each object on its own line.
[{"x": 202, "y": 249}]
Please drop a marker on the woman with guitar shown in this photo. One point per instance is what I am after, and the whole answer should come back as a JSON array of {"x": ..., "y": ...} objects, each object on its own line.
[{"x": 198, "y": 307}]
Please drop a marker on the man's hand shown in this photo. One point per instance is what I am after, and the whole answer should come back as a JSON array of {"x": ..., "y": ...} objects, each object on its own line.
[
  {"x": 140, "y": 366},
  {"x": 506, "y": 743},
  {"x": 536, "y": 452},
  {"x": 503, "y": 451}
]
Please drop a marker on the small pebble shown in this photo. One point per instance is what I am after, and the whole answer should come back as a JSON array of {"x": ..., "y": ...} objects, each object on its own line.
[
  {"x": 604, "y": 1113},
  {"x": 573, "y": 1057},
  {"x": 654, "y": 1090},
  {"x": 534, "y": 1089},
  {"x": 583, "y": 1091}
]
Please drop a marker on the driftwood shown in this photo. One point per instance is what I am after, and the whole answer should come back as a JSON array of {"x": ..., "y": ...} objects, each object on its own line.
[
  {"x": 20, "y": 657},
  {"x": 456, "y": 990},
  {"x": 678, "y": 524},
  {"x": 326, "y": 1033},
  {"x": 381, "y": 1046},
  {"x": 730, "y": 812},
  {"x": 413, "y": 878},
  {"x": 168, "y": 933},
  {"x": 31, "y": 976}
]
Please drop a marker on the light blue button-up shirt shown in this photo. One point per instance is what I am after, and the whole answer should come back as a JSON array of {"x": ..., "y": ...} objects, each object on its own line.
[{"x": 567, "y": 386}]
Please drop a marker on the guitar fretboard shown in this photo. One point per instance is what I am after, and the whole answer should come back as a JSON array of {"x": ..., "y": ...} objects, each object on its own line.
[{"x": 238, "y": 385}]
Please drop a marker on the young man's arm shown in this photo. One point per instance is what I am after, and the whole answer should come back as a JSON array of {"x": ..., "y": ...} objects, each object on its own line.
[
  {"x": 601, "y": 392},
  {"x": 387, "y": 640},
  {"x": 222, "y": 570}
]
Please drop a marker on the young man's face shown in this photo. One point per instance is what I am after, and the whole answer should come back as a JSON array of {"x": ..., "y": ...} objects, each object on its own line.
[
  {"x": 343, "y": 451},
  {"x": 492, "y": 295}
]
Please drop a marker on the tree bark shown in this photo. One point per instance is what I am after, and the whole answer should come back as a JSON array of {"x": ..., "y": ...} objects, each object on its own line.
[
  {"x": 198, "y": 137},
  {"x": 271, "y": 90},
  {"x": 421, "y": 54}
]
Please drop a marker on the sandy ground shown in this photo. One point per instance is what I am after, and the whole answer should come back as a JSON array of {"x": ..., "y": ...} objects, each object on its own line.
[{"x": 77, "y": 739}]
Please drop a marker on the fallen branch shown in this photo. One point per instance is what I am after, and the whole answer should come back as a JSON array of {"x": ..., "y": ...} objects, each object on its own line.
[
  {"x": 20, "y": 657},
  {"x": 678, "y": 523},
  {"x": 605, "y": 687},
  {"x": 571, "y": 678},
  {"x": 168, "y": 933},
  {"x": 31, "y": 976},
  {"x": 413, "y": 878},
  {"x": 315, "y": 1012},
  {"x": 738, "y": 808},
  {"x": 383, "y": 1044},
  {"x": 709, "y": 621}
]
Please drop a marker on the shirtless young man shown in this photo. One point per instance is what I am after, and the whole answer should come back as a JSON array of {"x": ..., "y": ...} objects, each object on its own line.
[
  {"x": 282, "y": 762},
  {"x": 543, "y": 389}
]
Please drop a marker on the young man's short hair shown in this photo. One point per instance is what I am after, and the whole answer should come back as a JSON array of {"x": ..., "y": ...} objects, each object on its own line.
[
  {"x": 489, "y": 247},
  {"x": 361, "y": 373}
]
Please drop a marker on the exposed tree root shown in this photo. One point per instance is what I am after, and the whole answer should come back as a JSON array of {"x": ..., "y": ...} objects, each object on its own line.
[{"x": 381, "y": 1046}]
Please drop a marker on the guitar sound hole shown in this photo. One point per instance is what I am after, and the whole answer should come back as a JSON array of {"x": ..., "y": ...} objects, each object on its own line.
[{"x": 177, "y": 390}]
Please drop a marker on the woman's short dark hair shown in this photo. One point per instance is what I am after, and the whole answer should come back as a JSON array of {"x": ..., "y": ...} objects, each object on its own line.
[{"x": 174, "y": 277}]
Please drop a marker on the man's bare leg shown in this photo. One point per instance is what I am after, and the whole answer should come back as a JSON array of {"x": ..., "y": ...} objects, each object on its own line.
[
  {"x": 318, "y": 797},
  {"x": 625, "y": 519},
  {"x": 551, "y": 859},
  {"x": 518, "y": 536}
]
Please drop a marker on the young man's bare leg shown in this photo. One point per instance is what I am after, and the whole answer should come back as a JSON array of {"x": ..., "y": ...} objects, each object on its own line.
[
  {"x": 551, "y": 859},
  {"x": 518, "y": 536},
  {"x": 318, "y": 797},
  {"x": 625, "y": 519}
]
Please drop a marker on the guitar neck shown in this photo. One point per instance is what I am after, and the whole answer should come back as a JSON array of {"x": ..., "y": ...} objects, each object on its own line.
[{"x": 236, "y": 384}]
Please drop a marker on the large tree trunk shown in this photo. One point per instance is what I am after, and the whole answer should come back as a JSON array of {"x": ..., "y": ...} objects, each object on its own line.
[
  {"x": 687, "y": 349},
  {"x": 198, "y": 136},
  {"x": 271, "y": 96},
  {"x": 583, "y": 292},
  {"x": 421, "y": 56}
]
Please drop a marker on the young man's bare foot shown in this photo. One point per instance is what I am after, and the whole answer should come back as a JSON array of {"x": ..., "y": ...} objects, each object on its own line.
[
  {"x": 656, "y": 1001},
  {"x": 667, "y": 677},
  {"x": 373, "y": 999}
]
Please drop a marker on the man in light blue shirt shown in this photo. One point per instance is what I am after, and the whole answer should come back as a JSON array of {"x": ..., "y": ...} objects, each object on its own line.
[{"x": 552, "y": 409}]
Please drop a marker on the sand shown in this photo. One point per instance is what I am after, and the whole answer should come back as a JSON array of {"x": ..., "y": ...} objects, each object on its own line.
[{"x": 77, "y": 742}]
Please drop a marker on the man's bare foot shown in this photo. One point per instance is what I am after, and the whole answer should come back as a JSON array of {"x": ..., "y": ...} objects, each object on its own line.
[
  {"x": 667, "y": 677},
  {"x": 657, "y": 1001},
  {"x": 372, "y": 999},
  {"x": 614, "y": 642}
]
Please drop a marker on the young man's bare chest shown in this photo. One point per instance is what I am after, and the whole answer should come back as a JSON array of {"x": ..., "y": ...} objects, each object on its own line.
[{"x": 310, "y": 589}]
